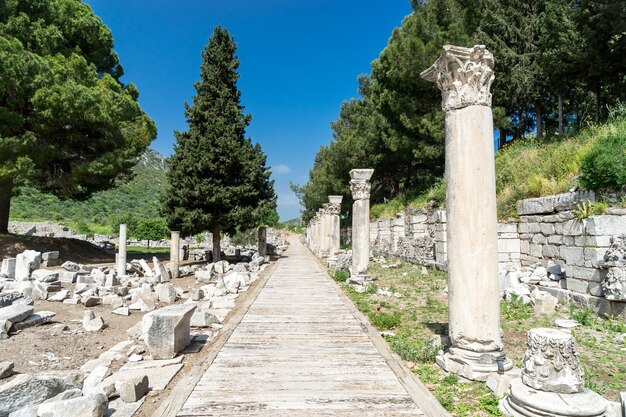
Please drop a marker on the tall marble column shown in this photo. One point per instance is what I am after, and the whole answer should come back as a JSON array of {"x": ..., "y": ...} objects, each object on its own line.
[
  {"x": 175, "y": 254},
  {"x": 121, "y": 253},
  {"x": 325, "y": 247},
  {"x": 360, "y": 187},
  {"x": 334, "y": 208},
  {"x": 464, "y": 76}
]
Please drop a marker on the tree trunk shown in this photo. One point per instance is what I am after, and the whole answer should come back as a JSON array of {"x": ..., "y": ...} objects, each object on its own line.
[
  {"x": 597, "y": 109},
  {"x": 6, "y": 189},
  {"x": 502, "y": 139},
  {"x": 148, "y": 243},
  {"x": 539, "y": 121},
  {"x": 217, "y": 250},
  {"x": 560, "y": 115}
]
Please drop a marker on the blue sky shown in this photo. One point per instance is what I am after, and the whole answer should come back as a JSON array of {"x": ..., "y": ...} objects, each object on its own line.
[{"x": 299, "y": 62}]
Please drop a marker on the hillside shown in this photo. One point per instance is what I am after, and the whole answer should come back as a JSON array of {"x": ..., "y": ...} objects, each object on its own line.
[
  {"x": 593, "y": 158},
  {"x": 138, "y": 199}
]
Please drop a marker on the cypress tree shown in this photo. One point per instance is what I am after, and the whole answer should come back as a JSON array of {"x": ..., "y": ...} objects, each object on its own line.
[{"x": 218, "y": 179}]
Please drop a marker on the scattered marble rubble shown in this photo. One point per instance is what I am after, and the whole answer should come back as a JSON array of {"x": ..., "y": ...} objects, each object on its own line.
[{"x": 156, "y": 345}]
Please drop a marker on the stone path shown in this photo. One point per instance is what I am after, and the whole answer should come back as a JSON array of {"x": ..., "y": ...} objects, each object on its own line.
[{"x": 299, "y": 351}]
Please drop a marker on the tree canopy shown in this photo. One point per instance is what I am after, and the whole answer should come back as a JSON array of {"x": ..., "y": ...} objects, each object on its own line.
[
  {"x": 68, "y": 125},
  {"x": 218, "y": 179},
  {"x": 559, "y": 66}
]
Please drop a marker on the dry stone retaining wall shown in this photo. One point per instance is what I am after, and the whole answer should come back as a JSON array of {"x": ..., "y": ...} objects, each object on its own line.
[{"x": 547, "y": 232}]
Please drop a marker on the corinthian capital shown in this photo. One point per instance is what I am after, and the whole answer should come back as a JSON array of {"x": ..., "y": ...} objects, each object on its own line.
[
  {"x": 359, "y": 185},
  {"x": 464, "y": 76}
]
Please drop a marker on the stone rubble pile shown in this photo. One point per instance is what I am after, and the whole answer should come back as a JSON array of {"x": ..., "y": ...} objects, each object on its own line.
[
  {"x": 524, "y": 284},
  {"x": 152, "y": 353}
]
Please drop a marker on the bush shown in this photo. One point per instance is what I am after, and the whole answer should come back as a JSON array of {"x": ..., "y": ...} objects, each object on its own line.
[
  {"x": 384, "y": 321},
  {"x": 414, "y": 351},
  {"x": 341, "y": 276},
  {"x": 604, "y": 167}
]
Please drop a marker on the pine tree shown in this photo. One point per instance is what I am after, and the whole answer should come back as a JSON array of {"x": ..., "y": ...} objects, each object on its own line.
[{"x": 218, "y": 179}]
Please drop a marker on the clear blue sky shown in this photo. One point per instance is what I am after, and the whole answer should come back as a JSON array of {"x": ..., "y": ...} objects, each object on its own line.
[{"x": 299, "y": 62}]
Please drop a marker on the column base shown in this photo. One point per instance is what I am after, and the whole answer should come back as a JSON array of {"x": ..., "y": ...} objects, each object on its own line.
[
  {"x": 524, "y": 401},
  {"x": 475, "y": 366}
]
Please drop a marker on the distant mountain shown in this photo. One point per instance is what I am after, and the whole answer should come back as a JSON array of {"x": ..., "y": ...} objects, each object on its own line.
[{"x": 138, "y": 198}]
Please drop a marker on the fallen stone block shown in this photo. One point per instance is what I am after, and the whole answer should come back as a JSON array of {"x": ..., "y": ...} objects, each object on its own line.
[
  {"x": 7, "y": 298},
  {"x": 203, "y": 276},
  {"x": 91, "y": 323},
  {"x": 50, "y": 258},
  {"x": 121, "y": 311},
  {"x": 34, "y": 319},
  {"x": 8, "y": 268},
  {"x": 88, "y": 406},
  {"x": 135, "y": 331},
  {"x": 142, "y": 305},
  {"x": 197, "y": 294},
  {"x": 90, "y": 301},
  {"x": 67, "y": 276},
  {"x": 166, "y": 330},
  {"x": 31, "y": 389},
  {"x": 95, "y": 378},
  {"x": 60, "y": 296},
  {"x": 162, "y": 273},
  {"x": 25, "y": 263},
  {"x": 221, "y": 267},
  {"x": 65, "y": 395},
  {"x": 166, "y": 293},
  {"x": 6, "y": 369},
  {"x": 11, "y": 315},
  {"x": 132, "y": 390},
  {"x": 44, "y": 275},
  {"x": 71, "y": 266},
  {"x": 201, "y": 318}
]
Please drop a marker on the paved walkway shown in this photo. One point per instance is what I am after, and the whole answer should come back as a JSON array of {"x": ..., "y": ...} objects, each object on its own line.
[{"x": 299, "y": 352}]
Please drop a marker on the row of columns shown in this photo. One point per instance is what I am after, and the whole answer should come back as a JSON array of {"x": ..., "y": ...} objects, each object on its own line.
[{"x": 464, "y": 76}]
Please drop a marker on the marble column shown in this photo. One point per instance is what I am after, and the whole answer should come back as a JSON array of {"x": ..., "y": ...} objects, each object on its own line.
[
  {"x": 360, "y": 186},
  {"x": 334, "y": 208},
  {"x": 262, "y": 241},
  {"x": 121, "y": 253},
  {"x": 175, "y": 254},
  {"x": 464, "y": 76},
  {"x": 552, "y": 382},
  {"x": 325, "y": 244}
]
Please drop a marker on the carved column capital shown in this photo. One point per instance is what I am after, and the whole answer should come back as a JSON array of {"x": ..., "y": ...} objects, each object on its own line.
[
  {"x": 551, "y": 362},
  {"x": 334, "y": 209},
  {"x": 360, "y": 189},
  {"x": 464, "y": 76}
]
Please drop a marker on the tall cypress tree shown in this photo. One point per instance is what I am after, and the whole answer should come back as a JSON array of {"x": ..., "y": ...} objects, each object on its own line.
[{"x": 218, "y": 179}]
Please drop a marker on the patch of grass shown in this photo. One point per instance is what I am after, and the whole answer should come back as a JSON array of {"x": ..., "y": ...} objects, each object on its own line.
[
  {"x": 414, "y": 350},
  {"x": 515, "y": 309},
  {"x": 584, "y": 316},
  {"x": 341, "y": 276},
  {"x": 143, "y": 249},
  {"x": 384, "y": 321}
]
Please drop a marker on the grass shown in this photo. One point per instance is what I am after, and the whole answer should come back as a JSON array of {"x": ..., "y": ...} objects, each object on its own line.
[
  {"x": 524, "y": 168},
  {"x": 415, "y": 327},
  {"x": 143, "y": 249}
]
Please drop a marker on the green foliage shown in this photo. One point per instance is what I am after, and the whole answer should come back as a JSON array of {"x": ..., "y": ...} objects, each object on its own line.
[
  {"x": 67, "y": 123},
  {"x": 585, "y": 209},
  {"x": 584, "y": 316},
  {"x": 414, "y": 350},
  {"x": 245, "y": 238},
  {"x": 218, "y": 179},
  {"x": 128, "y": 202},
  {"x": 150, "y": 229},
  {"x": 604, "y": 166},
  {"x": 341, "y": 275},
  {"x": 383, "y": 320},
  {"x": 515, "y": 309}
]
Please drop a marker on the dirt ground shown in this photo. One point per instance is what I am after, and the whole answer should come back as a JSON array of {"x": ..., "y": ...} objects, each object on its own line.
[{"x": 62, "y": 344}]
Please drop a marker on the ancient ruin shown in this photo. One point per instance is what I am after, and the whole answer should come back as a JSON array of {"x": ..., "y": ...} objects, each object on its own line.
[
  {"x": 552, "y": 380},
  {"x": 360, "y": 186},
  {"x": 464, "y": 76}
]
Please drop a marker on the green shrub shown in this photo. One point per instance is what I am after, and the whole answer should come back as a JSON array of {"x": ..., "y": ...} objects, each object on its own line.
[
  {"x": 584, "y": 316},
  {"x": 341, "y": 276},
  {"x": 414, "y": 351},
  {"x": 384, "y": 321},
  {"x": 604, "y": 166}
]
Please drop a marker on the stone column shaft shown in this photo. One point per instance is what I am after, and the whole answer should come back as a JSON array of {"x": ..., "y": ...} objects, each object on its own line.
[
  {"x": 464, "y": 75},
  {"x": 262, "y": 241},
  {"x": 334, "y": 223},
  {"x": 360, "y": 187},
  {"x": 175, "y": 254},
  {"x": 121, "y": 255}
]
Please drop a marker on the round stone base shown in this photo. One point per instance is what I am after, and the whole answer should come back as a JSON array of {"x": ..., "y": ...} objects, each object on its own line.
[
  {"x": 475, "y": 366},
  {"x": 524, "y": 401}
]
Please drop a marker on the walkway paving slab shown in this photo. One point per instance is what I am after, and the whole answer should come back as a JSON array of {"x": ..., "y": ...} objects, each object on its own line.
[{"x": 299, "y": 351}]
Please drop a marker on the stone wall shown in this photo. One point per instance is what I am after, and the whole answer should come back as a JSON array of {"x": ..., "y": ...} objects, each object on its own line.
[{"x": 546, "y": 233}]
